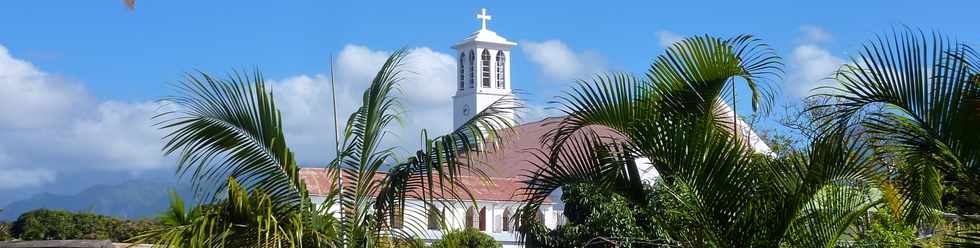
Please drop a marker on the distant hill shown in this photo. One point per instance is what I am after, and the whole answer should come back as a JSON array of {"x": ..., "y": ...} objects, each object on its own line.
[{"x": 131, "y": 199}]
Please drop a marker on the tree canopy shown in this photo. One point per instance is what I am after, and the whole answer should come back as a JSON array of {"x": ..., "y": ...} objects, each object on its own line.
[{"x": 47, "y": 224}]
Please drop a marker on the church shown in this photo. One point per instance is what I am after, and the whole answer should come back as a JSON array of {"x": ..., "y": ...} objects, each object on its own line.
[{"x": 483, "y": 74}]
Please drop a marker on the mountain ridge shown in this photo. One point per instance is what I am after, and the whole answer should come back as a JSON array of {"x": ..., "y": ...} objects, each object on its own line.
[{"x": 133, "y": 199}]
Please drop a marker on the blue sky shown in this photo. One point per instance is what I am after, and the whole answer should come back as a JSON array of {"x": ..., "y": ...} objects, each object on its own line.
[{"x": 81, "y": 76}]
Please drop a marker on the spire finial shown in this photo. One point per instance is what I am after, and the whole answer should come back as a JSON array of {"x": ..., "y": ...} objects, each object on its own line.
[{"x": 484, "y": 17}]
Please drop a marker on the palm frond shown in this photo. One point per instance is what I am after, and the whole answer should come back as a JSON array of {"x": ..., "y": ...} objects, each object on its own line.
[
  {"x": 913, "y": 94},
  {"x": 824, "y": 191},
  {"x": 435, "y": 172},
  {"x": 585, "y": 158},
  {"x": 724, "y": 193},
  {"x": 362, "y": 154},
  {"x": 698, "y": 70},
  {"x": 610, "y": 100},
  {"x": 241, "y": 219},
  {"x": 968, "y": 236},
  {"x": 693, "y": 76},
  {"x": 710, "y": 174},
  {"x": 231, "y": 128},
  {"x": 373, "y": 202}
]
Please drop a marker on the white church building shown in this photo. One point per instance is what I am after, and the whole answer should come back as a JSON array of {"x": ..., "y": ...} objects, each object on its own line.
[{"x": 484, "y": 74}]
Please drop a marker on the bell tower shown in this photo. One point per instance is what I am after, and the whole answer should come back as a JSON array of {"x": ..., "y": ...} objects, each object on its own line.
[{"x": 483, "y": 72}]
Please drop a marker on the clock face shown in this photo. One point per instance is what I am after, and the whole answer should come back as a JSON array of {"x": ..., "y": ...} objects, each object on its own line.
[{"x": 466, "y": 110}]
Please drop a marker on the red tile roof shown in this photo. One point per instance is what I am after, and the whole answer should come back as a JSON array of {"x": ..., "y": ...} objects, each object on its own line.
[
  {"x": 319, "y": 183},
  {"x": 505, "y": 166},
  {"x": 515, "y": 158}
]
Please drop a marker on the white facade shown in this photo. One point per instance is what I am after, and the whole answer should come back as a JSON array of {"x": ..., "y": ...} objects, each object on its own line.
[
  {"x": 483, "y": 72},
  {"x": 456, "y": 218}
]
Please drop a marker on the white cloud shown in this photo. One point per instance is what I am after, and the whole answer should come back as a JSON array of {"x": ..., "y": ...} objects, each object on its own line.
[
  {"x": 811, "y": 65},
  {"x": 814, "y": 34},
  {"x": 426, "y": 94},
  {"x": 305, "y": 105},
  {"x": 58, "y": 128},
  {"x": 51, "y": 125},
  {"x": 814, "y": 66},
  {"x": 668, "y": 38},
  {"x": 431, "y": 78},
  {"x": 559, "y": 63},
  {"x": 33, "y": 98},
  {"x": 358, "y": 64},
  {"x": 121, "y": 135},
  {"x": 16, "y": 178}
]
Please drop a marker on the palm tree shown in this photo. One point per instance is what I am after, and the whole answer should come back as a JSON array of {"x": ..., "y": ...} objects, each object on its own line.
[
  {"x": 230, "y": 141},
  {"x": 414, "y": 184},
  {"x": 241, "y": 219},
  {"x": 726, "y": 193},
  {"x": 918, "y": 98}
]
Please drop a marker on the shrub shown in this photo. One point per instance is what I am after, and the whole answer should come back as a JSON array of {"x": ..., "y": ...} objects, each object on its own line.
[
  {"x": 885, "y": 230},
  {"x": 4, "y": 231},
  {"x": 46, "y": 224},
  {"x": 399, "y": 243},
  {"x": 470, "y": 238},
  {"x": 594, "y": 213}
]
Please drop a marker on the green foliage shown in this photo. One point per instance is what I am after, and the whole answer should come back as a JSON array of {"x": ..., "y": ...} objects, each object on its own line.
[
  {"x": 470, "y": 238},
  {"x": 595, "y": 213},
  {"x": 956, "y": 201},
  {"x": 241, "y": 219},
  {"x": 721, "y": 193},
  {"x": 5, "y": 231},
  {"x": 230, "y": 140},
  {"x": 229, "y": 137},
  {"x": 388, "y": 242},
  {"x": 883, "y": 229},
  {"x": 602, "y": 213},
  {"x": 132, "y": 199},
  {"x": 930, "y": 105},
  {"x": 917, "y": 98},
  {"x": 45, "y": 224}
]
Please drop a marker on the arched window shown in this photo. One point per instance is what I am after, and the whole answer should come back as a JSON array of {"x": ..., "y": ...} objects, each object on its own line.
[
  {"x": 435, "y": 218},
  {"x": 462, "y": 62},
  {"x": 506, "y": 220},
  {"x": 471, "y": 218},
  {"x": 501, "y": 59},
  {"x": 485, "y": 68},
  {"x": 483, "y": 219},
  {"x": 472, "y": 69}
]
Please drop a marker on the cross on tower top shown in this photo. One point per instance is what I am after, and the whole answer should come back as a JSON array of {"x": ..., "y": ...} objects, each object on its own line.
[{"x": 484, "y": 17}]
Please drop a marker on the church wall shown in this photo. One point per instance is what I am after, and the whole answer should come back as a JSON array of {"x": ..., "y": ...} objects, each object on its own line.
[{"x": 415, "y": 217}]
